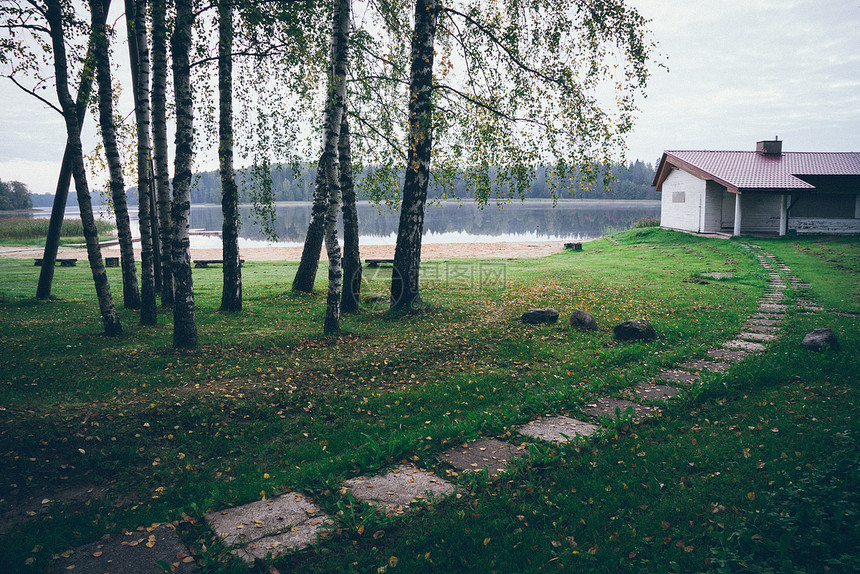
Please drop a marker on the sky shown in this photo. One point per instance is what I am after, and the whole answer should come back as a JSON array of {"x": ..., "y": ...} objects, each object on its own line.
[{"x": 739, "y": 71}]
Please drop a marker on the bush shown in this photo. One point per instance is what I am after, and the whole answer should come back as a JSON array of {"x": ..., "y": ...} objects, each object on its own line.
[
  {"x": 646, "y": 222},
  {"x": 26, "y": 228}
]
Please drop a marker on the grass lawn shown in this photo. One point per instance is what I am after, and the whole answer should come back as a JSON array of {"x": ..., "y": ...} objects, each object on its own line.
[{"x": 755, "y": 468}]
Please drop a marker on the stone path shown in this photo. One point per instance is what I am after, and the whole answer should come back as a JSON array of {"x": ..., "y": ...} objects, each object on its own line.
[{"x": 267, "y": 528}]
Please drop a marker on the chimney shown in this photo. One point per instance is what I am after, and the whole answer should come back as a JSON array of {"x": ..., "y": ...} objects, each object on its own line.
[{"x": 769, "y": 147}]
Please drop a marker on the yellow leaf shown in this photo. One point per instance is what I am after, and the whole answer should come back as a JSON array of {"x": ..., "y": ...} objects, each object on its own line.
[
  {"x": 487, "y": 540},
  {"x": 751, "y": 495},
  {"x": 392, "y": 561}
]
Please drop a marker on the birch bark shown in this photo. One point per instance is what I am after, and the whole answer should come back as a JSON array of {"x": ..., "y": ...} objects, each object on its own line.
[
  {"x": 139, "y": 55},
  {"x": 159, "y": 146},
  {"x": 231, "y": 291},
  {"x": 407, "y": 253},
  {"x": 130, "y": 293},
  {"x": 110, "y": 318},
  {"x": 184, "y": 319},
  {"x": 333, "y": 117}
]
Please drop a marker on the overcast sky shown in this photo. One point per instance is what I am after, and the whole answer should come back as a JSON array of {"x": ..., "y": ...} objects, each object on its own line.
[{"x": 739, "y": 71}]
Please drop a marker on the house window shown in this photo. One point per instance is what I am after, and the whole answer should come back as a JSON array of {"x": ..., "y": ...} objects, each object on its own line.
[{"x": 679, "y": 197}]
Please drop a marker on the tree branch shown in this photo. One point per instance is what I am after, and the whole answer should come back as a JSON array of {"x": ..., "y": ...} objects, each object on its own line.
[{"x": 35, "y": 95}]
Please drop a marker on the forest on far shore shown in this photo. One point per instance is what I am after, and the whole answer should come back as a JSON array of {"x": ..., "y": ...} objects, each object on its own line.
[{"x": 631, "y": 181}]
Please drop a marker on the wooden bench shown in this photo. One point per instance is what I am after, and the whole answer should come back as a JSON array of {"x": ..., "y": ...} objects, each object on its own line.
[
  {"x": 62, "y": 262},
  {"x": 378, "y": 262},
  {"x": 204, "y": 263},
  {"x": 574, "y": 246},
  {"x": 111, "y": 261}
]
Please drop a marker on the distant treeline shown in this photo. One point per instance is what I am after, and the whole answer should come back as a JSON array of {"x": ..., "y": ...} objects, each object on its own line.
[{"x": 288, "y": 183}]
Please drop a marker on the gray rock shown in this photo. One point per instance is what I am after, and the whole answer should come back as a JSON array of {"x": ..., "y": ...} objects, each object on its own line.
[
  {"x": 536, "y": 316},
  {"x": 583, "y": 321},
  {"x": 821, "y": 339},
  {"x": 634, "y": 330}
]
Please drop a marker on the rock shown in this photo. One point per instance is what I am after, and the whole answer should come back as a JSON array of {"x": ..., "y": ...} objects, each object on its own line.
[
  {"x": 582, "y": 320},
  {"x": 634, "y": 330},
  {"x": 536, "y": 316},
  {"x": 821, "y": 339}
]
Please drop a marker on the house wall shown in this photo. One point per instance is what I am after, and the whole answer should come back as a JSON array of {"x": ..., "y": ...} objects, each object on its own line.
[
  {"x": 711, "y": 217},
  {"x": 681, "y": 201},
  {"x": 840, "y": 220},
  {"x": 759, "y": 212}
]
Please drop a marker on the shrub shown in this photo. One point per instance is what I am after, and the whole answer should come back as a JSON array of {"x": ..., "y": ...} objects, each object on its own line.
[
  {"x": 26, "y": 228},
  {"x": 646, "y": 222}
]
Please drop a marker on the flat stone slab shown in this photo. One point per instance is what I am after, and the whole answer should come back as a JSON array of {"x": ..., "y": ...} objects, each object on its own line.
[
  {"x": 559, "y": 429},
  {"x": 289, "y": 521},
  {"x": 606, "y": 407},
  {"x": 765, "y": 322},
  {"x": 718, "y": 275},
  {"x": 762, "y": 328},
  {"x": 493, "y": 454},
  {"x": 704, "y": 365},
  {"x": 772, "y": 308},
  {"x": 136, "y": 552},
  {"x": 728, "y": 354},
  {"x": 743, "y": 345},
  {"x": 399, "y": 488},
  {"x": 679, "y": 376},
  {"x": 768, "y": 316},
  {"x": 654, "y": 392},
  {"x": 748, "y": 336}
]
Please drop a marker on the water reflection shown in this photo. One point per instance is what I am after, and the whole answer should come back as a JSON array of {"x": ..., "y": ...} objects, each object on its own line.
[
  {"x": 452, "y": 222},
  {"x": 448, "y": 222}
]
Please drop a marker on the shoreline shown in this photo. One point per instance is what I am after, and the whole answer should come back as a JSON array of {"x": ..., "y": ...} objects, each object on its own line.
[{"x": 429, "y": 251}]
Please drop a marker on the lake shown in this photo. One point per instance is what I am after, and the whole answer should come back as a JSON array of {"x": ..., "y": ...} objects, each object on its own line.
[{"x": 446, "y": 222}]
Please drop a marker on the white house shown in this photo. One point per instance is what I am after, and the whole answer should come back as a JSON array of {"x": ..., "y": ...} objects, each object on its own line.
[{"x": 762, "y": 191}]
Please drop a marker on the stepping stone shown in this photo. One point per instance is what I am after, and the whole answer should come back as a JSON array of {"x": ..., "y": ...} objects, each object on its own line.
[
  {"x": 757, "y": 336},
  {"x": 727, "y": 354},
  {"x": 770, "y": 316},
  {"x": 653, "y": 392},
  {"x": 269, "y": 526},
  {"x": 486, "y": 452},
  {"x": 765, "y": 322},
  {"x": 606, "y": 407},
  {"x": 718, "y": 275},
  {"x": 763, "y": 329},
  {"x": 136, "y": 552},
  {"x": 679, "y": 376},
  {"x": 772, "y": 307},
  {"x": 743, "y": 345},
  {"x": 559, "y": 429},
  {"x": 396, "y": 490},
  {"x": 704, "y": 365}
]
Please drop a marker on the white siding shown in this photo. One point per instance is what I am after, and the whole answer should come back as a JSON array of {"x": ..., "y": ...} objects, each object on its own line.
[
  {"x": 675, "y": 213},
  {"x": 712, "y": 213},
  {"x": 811, "y": 225},
  {"x": 759, "y": 212}
]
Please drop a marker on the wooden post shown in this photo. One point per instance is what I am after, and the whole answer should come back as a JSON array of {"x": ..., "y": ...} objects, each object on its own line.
[
  {"x": 737, "y": 229},
  {"x": 783, "y": 215}
]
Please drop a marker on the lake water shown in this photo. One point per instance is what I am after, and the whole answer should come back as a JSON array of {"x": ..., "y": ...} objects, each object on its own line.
[{"x": 448, "y": 222}]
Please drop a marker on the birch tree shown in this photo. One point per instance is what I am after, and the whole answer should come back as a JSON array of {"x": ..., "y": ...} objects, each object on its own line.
[
  {"x": 349, "y": 301},
  {"x": 53, "y": 14},
  {"x": 521, "y": 84},
  {"x": 231, "y": 291},
  {"x": 184, "y": 318},
  {"x": 138, "y": 46},
  {"x": 159, "y": 145},
  {"x": 328, "y": 162},
  {"x": 131, "y": 295}
]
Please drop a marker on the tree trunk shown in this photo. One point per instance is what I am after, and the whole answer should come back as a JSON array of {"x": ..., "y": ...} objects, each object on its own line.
[
  {"x": 184, "y": 320},
  {"x": 52, "y": 242},
  {"x": 407, "y": 253},
  {"x": 159, "y": 144},
  {"x": 135, "y": 13},
  {"x": 333, "y": 118},
  {"x": 110, "y": 318},
  {"x": 349, "y": 301},
  {"x": 231, "y": 291},
  {"x": 306, "y": 274},
  {"x": 130, "y": 294}
]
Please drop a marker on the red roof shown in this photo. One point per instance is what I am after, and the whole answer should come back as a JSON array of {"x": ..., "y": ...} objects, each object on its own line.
[{"x": 752, "y": 171}]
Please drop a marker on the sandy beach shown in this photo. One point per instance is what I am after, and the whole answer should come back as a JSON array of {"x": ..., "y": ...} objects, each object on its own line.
[{"x": 437, "y": 251}]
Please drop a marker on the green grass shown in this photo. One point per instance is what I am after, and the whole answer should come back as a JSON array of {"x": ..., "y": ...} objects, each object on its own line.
[
  {"x": 17, "y": 230},
  {"x": 268, "y": 404}
]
